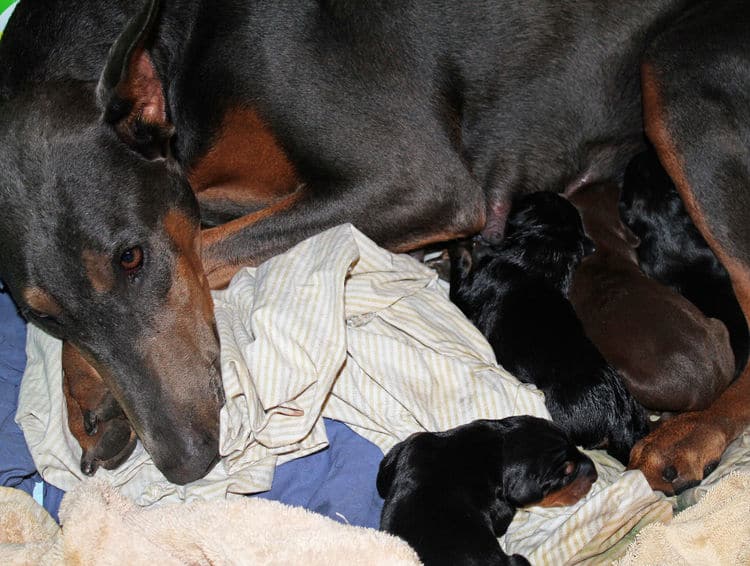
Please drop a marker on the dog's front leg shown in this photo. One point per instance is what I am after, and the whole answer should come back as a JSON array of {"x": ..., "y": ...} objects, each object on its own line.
[{"x": 398, "y": 218}]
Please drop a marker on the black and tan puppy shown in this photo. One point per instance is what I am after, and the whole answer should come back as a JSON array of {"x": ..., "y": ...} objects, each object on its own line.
[
  {"x": 515, "y": 292},
  {"x": 451, "y": 494},
  {"x": 94, "y": 417},
  {"x": 673, "y": 251},
  {"x": 671, "y": 356}
]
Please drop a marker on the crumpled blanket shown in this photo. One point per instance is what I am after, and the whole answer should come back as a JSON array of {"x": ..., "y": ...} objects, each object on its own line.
[
  {"x": 338, "y": 327},
  {"x": 101, "y": 526}
]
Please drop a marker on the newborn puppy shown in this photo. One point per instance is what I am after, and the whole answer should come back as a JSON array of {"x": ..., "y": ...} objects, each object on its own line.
[
  {"x": 671, "y": 357},
  {"x": 451, "y": 494},
  {"x": 673, "y": 252},
  {"x": 515, "y": 293},
  {"x": 95, "y": 419}
]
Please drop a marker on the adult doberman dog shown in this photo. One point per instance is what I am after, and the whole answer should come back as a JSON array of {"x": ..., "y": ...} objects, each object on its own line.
[{"x": 123, "y": 123}]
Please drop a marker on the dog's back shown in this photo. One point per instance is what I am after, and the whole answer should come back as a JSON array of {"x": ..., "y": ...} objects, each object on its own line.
[{"x": 670, "y": 355}]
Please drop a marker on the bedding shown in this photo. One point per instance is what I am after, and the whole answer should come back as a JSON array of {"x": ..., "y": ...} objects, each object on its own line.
[
  {"x": 349, "y": 465},
  {"x": 341, "y": 329}
]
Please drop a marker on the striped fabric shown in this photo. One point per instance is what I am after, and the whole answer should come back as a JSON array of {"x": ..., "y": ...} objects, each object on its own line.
[{"x": 338, "y": 327}]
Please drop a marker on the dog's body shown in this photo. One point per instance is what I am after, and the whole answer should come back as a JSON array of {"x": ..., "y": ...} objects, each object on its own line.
[
  {"x": 670, "y": 356},
  {"x": 451, "y": 494},
  {"x": 287, "y": 117},
  {"x": 515, "y": 293},
  {"x": 94, "y": 417}
]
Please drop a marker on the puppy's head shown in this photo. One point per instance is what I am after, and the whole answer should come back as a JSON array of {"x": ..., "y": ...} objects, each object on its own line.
[
  {"x": 545, "y": 231},
  {"x": 648, "y": 194},
  {"x": 518, "y": 460},
  {"x": 542, "y": 466}
]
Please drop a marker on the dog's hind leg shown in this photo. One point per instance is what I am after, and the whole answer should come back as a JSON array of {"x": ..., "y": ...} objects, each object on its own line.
[{"x": 696, "y": 97}]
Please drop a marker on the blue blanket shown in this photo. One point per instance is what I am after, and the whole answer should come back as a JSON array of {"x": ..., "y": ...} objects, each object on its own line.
[{"x": 338, "y": 482}]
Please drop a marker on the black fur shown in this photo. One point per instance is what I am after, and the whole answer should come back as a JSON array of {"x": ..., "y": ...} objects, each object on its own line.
[
  {"x": 451, "y": 494},
  {"x": 515, "y": 292},
  {"x": 673, "y": 252}
]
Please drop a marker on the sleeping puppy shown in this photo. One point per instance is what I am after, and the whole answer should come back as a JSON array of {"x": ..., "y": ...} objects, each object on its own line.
[
  {"x": 95, "y": 419},
  {"x": 515, "y": 293},
  {"x": 451, "y": 494},
  {"x": 671, "y": 357},
  {"x": 673, "y": 252}
]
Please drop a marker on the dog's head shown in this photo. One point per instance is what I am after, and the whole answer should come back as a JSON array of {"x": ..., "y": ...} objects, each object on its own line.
[
  {"x": 518, "y": 461},
  {"x": 545, "y": 233},
  {"x": 648, "y": 196},
  {"x": 598, "y": 205},
  {"x": 100, "y": 245},
  {"x": 542, "y": 466}
]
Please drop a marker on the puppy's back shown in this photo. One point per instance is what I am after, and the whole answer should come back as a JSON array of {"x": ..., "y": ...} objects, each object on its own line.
[{"x": 670, "y": 355}]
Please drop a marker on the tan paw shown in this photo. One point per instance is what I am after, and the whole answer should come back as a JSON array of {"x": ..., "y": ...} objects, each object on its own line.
[{"x": 681, "y": 452}]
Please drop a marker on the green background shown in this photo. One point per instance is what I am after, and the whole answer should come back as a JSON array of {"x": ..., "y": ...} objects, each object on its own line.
[{"x": 4, "y": 4}]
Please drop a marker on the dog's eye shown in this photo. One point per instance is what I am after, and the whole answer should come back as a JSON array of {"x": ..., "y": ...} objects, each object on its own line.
[{"x": 132, "y": 259}]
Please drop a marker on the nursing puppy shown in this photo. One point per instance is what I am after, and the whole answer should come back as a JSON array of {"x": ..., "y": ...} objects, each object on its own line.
[
  {"x": 515, "y": 293},
  {"x": 671, "y": 357},
  {"x": 451, "y": 494},
  {"x": 673, "y": 252},
  {"x": 94, "y": 417}
]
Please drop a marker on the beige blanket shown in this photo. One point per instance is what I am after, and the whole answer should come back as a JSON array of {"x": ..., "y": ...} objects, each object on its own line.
[
  {"x": 103, "y": 527},
  {"x": 715, "y": 531}
]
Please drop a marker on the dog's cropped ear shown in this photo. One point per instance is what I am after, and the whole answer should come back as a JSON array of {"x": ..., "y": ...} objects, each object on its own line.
[
  {"x": 130, "y": 93},
  {"x": 387, "y": 469}
]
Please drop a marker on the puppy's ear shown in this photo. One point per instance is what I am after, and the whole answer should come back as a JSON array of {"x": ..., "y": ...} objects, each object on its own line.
[
  {"x": 632, "y": 240},
  {"x": 520, "y": 488},
  {"x": 387, "y": 469}
]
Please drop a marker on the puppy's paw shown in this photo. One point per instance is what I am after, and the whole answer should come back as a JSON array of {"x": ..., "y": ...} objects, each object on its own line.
[
  {"x": 681, "y": 452},
  {"x": 90, "y": 422},
  {"x": 460, "y": 257}
]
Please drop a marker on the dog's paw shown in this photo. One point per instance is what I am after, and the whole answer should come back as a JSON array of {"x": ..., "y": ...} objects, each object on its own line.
[
  {"x": 90, "y": 422},
  {"x": 681, "y": 452}
]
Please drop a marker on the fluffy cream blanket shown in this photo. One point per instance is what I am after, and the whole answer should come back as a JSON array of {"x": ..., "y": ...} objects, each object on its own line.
[
  {"x": 103, "y": 527},
  {"x": 714, "y": 531}
]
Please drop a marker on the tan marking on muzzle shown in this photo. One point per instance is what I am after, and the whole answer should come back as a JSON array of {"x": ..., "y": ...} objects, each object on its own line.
[
  {"x": 569, "y": 494},
  {"x": 99, "y": 271},
  {"x": 39, "y": 300}
]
